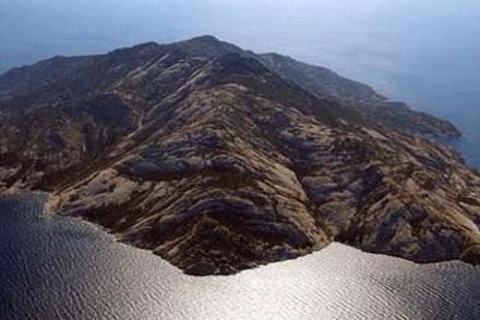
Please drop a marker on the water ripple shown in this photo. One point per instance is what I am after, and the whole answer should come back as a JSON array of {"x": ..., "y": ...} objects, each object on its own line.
[{"x": 61, "y": 268}]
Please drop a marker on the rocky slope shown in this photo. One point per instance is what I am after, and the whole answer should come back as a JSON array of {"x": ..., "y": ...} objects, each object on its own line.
[
  {"x": 210, "y": 157},
  {"x": 324, "y": 82}
]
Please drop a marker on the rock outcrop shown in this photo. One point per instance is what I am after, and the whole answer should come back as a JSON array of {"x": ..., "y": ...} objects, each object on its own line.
[{"x": 214, "y": 159}]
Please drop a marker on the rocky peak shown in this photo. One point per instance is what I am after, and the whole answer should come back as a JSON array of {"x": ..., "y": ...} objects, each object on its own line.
[{"x": 207, "y": 46}]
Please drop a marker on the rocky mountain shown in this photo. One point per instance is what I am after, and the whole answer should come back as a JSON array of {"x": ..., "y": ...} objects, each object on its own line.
[{"x": 218, "y": 159}]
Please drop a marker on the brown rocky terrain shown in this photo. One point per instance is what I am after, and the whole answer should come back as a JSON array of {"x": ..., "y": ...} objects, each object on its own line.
[{"x": 217, "y": 160}]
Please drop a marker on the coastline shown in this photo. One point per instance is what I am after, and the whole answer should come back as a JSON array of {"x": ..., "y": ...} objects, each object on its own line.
[{"x": 117, "y": 237}]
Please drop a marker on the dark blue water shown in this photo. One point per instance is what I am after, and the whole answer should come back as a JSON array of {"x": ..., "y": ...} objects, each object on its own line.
[
  {"x": 426, "y": 53},
  {"x": 60, "y": 268}
]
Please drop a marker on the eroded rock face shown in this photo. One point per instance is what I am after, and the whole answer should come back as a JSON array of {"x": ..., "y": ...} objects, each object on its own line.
[{"x": 217, "y": 163}]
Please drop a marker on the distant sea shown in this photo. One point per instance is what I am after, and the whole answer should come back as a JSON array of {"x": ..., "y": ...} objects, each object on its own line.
[{"x": 425, "y": 53}]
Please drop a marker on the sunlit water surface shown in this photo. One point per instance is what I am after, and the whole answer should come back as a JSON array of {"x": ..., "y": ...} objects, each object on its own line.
[{"x": 64, "y": 268}]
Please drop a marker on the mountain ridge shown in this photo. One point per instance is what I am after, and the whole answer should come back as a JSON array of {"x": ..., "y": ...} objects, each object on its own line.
[
  {"x": 218, "y": 163},
  {"x": 356, "y": 95}
]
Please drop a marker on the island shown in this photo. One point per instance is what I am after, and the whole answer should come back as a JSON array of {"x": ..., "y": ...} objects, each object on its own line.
[{"x": 219, "y": 159}]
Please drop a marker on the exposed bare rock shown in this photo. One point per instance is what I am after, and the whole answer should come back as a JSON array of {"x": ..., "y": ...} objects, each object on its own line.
[{"x": 203, "y": 154}]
